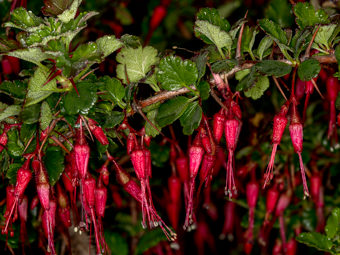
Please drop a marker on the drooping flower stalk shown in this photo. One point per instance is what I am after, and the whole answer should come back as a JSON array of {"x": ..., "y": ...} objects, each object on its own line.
[
  {"x": 296, "y": 134},
  {"x": 232, "y": 130},
  {"x": 131, "y": 187}
]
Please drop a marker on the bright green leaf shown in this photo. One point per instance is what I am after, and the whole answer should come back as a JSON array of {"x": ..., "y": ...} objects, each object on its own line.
[
  {"x": 175, "y": 73},
  {"x": 191, "y": 118},
  {"x": 54, "y": 163},
  {"x": 10, "y": 111},
  {"x": 75, "y": 104},
  {"x": 34, "y": 55},
  {"x": 280, "y": 12},
  {"x": 135, "y": 63},
  {"x": 23, "y": 19},
  {"x": 113, "y": 119},
  {"x": 273, "y": 68},
  {"x": 264, "y": 45},
  {"x": 204, "y": 88},
  {"x": 108, "y": 44},
  {"x": 201, "y": 63},
  {"x": 71, "y": 12},
  {"x": 30, "y": 114},
  {"x": 274, "y": 30},
  {"x": 324, "y": 34},
  {"x": 37, "y": 91},
  {"x": 149, "y": 129},
  {"x": 257, "y": 90},
  {"x": 224, "y": 65},
  {"x": 213, "y": 35},
  {"x": 309, "y": 69},
  {"x": 16, "y": 89},
  {"x": 333, "y": 223},
  {"x": 316, "y": 240},
  {"x": 307, "y": 16},
  {"x": 15, "y": 147},
  {"x": 46, "y": 116},
  {"x": 213, "y": 17},
  {"x": 116, "y": 90},
  {"x": 171, "y": 110}
]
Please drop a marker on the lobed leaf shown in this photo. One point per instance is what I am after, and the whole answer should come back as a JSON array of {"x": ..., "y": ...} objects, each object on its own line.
[{"x": 307, "y": 16}]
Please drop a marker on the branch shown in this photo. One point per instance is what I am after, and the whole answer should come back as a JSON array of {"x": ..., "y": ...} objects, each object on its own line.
[{"x": 165, "y": 95}]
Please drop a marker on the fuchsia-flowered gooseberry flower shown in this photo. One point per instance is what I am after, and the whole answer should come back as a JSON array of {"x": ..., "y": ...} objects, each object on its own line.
[
  {"x": 296, "y": 134},
  {"x": 232, "y": 130},
  {"x": 218, "y": 125},
  {"x": 24, "y": 176},
  {"x": 280, "y": 123},
  {"x": 97, "y": 132},
  {"x": 48, "y": 224}
]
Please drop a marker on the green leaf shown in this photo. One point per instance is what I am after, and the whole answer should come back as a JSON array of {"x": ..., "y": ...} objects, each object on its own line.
[
  {"x": 23, "y": 19},
  {"x": 136, "y": 62},
  {"x": 55, "y": 7},
  {"x": 75, "y": 104},
  {"x": 316, "y": 240},
  {"x": 113, "y": 119},
  {"x": 204, "y": 88},
  {"x": 273, "y": 68},
  {"x": 324, "y": 34},
  {"x": 201, "y": 63},
  {"x": 131, "y": 41},
  {"x": 12, "y": 172},
  {"x": 88, "y": 51},
  {"x": 307, "y": 16},
  {"x": 256, "y": 91},
  {"x": 213, "y": 17},
  {"x": 300, "y": 41},
  {"x": 16, "y": 89},
  {"x": 27, "y": 131},
  {"x": 280, "y": 12},
  {"x": 70, "y": 12},
  {"x": 10, "y": 111},
  {"x": 34, "y": 55},
  {"x": 148, "y": 240},
  {"x": 116, "y": 243},
  {"x": 150, "y": 130},
  {"x": 175, "y": 73},
  {"x": 15, "y": 147},
  {"x": 54, "y": 163},
  {"x": 248, "y": 39},
  {"x": 30, "y": 114},
  {"x": 108, "y": 44},
  {"x": 213, "y": 35},
  {"x": 337, "y": 54},
  {"x": 36, "y": 91},
  {"x": 246, "y": 80},
  {"x": 224, "y": 65},
  {"x": 274, "y": 30},
  {"x": 333, "y": 223},
  {"x": 171, "y": 110},
  {"x": 45, "y": 116},
  {"x": 309, "y": 69},
  {"x": 116, "y": 90},
  {"x": 191, "y": 118},
  {"x": 264, "y": 45}
]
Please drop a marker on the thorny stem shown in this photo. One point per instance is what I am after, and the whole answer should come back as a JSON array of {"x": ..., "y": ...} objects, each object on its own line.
[
  {"x": 307, "y": 52},
  {"x": 279, "y": 88},
  {"x": 239, "y": 41},
  {"x": 317, "y": 88}
]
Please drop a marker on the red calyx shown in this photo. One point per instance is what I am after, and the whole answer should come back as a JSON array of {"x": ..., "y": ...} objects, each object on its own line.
[
  {"x": 299, "y": 89},
  {"x": 3, "y": 141},
  {"x": 218, "y": 125},
  {"x": 282, "y": 204},
  {"x": 207, "y": 166},
  {"x": 139, "y": 164},
  {"x": 89, "y": 185},
  {"x": 104, "y": 174},
  {"x": 24, "y": 176},
  {"x": 131, "y": 143},
  {"x": 205, "y": 141},
  {"x": 48, "y": 223},
  {"x": 182, "y": 166},
  {"x": 97, "y": 132},
  {"x": 232, "y": 130},
  {"x": 6, "y": 67},
  {"x": 271, "y": 200},
  {"x": 82, "y": 156},
  {"x": 195, "y": 158},
  {"x": 43, "y": 186},
  {"x": 64, "y": 208},
  {"x": 252, "y": 193},
  {"x": 101, "y": 197},
  {"x": 332, "y": 88}
]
